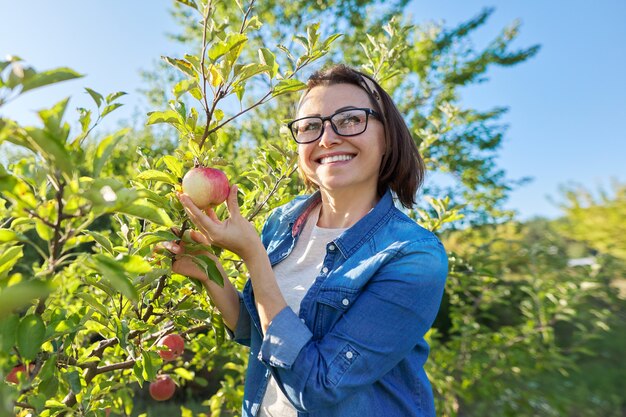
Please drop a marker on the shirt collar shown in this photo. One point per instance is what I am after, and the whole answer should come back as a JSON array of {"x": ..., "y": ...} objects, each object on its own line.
[{"x": 350, "y": 240}]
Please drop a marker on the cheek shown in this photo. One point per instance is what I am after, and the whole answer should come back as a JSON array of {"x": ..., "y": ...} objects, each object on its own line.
[{"x": 303, "y": 155}]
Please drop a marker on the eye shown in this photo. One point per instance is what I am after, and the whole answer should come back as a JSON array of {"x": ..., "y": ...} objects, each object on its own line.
[
  {"x": 348, "y": 119},
  {"x": 308, "y": 125}
]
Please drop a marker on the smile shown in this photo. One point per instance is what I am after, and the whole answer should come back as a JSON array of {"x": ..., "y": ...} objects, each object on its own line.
[{"x": 335, "y": 158}]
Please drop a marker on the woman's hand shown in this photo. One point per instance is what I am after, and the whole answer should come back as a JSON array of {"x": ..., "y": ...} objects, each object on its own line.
[
  {"x": 183, "y": 262},
  {"x": 235, "y": 234},
  {"x": 225, "y": 297}
]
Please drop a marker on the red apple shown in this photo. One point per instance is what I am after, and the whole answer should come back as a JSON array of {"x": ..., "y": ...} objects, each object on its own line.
[
  {"x": 12, "y": 376},
  {"x": 173, "y": 346},
  {"x": 163, "y": 388},
  {"x": 207, "y": 187}
]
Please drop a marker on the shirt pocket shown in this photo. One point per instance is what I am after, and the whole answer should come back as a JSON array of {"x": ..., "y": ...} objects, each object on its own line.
[{"x": 332, "y": 303}]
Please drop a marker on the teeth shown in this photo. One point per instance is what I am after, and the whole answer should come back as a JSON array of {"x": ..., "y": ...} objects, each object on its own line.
[{"x": 335, "y": 158}]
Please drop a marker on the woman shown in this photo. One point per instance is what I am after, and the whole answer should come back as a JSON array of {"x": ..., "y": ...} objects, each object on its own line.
[{"x": 343, "y": 286}]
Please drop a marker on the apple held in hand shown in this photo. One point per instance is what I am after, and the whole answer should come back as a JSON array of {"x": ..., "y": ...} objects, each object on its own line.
[
  {"x": 172, "y": 346},
  {"x": 207, "y": 187},
  {"x": 163, "y": 388}
]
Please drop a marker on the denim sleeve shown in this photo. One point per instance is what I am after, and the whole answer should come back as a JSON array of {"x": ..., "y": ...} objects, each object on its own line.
[
  {"x": 383, "y": 325},
  {"x": 285, "y": 337},
  {"x": 241, "y": 334}
]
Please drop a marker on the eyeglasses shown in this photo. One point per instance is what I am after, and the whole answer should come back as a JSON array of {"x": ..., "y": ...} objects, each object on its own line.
[{"x": 349, "y": 122}]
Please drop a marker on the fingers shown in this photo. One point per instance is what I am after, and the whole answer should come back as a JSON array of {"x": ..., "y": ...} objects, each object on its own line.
[
  {"x": 199, "y": 237},
  {"x": 232, "y": 203},
  {"x": 172, "y": 247}
]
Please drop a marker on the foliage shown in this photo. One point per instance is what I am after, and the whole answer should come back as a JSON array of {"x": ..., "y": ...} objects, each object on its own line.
[
  {"x": 424, "y": 67},
  {"x": 84, "y": 293},
  {"x": 520, "y": 323},
  {"x": 596, "y": 220}
]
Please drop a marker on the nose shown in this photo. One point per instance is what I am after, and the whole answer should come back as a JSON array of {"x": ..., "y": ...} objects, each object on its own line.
[{"x": 329, "y": 137}]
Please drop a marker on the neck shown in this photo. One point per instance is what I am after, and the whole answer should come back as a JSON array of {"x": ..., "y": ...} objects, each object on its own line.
[{"x": 343, "y": 209}]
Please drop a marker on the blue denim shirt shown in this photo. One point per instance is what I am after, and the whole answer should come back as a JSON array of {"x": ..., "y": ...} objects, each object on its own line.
[{"x": 356, "y": 347}]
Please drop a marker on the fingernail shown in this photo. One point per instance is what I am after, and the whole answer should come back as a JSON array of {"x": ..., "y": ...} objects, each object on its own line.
[{"x": 170, "y": 246}]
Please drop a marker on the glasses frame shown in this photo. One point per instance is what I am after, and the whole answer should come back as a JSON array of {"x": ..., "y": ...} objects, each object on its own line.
[{"x": 368, "y": 112}]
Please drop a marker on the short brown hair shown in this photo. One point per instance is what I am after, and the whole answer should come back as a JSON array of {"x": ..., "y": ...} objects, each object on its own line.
[{"x": 402, "y": 168}]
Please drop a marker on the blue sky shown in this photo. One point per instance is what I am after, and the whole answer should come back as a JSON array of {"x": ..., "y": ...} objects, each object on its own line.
[{"x": 567, "y": 105}]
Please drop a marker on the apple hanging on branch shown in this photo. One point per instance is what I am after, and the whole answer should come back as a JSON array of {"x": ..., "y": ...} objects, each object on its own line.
[
  {"x": 162, "y": 389},
  {"x": 12, "y": 376},
  {"x": 171, "y": 346},
  {"x": 207, "y": 187}
]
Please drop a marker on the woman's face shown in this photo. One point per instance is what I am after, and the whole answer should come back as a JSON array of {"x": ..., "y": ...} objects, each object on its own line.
[{"x": 340, "y": 163}]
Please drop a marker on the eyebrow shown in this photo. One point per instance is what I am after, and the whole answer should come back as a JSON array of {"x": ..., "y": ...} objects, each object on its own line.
[{"x": 336, "y": 111}]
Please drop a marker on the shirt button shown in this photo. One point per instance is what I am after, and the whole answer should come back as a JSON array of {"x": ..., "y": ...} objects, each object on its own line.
[
  {"x": 349, "y": 355},
  {"x": 331, "y": 247},
  {"x": 302, "y": 320},
  {"x": 325, "y": 270},
  {"x": 345, "y": 302}
]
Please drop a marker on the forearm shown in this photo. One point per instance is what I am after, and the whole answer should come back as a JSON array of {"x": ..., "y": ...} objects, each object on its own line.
[
  {"x": 269, "y": 299},
  {"x": 225, "y": 300}
]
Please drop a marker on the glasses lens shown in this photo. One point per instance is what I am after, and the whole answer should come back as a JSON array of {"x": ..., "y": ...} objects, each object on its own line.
[
  {"x": 350, "y": 122},
  {"x": 307, "y": 129}
]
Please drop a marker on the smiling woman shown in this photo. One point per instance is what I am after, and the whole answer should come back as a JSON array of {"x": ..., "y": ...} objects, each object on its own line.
[{"x": 343, "y": 285}]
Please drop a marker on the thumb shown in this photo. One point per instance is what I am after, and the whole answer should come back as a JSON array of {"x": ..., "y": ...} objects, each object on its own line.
[{"x": 231, "y": 201}]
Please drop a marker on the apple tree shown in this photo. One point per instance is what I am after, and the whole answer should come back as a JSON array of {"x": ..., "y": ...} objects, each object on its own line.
[{"x": 85, "y": 295}]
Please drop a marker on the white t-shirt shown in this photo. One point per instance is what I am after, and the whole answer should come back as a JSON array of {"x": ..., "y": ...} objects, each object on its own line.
[{"x": 295, "y": 275}]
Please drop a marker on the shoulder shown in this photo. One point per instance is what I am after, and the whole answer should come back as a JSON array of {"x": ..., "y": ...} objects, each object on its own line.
[
  {"x": 289, "y": 212},
  {"x": 410, "y": 242},
  {"x": 282, "y": 218}
]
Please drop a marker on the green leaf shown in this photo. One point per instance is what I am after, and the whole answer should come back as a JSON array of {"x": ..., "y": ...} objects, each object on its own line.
[
  {"x": 8, "y": 235},
  {"x": 253, "y": 23},
  {"x": 8, "y": 258},
  {"x": 288, "y": 86},
  {"x": 269, "y": 59},
  {"x": 184, "y": 373},
  {"x": 93, "y": 302},
  {"x": 8, "y": 330},
  {"x": 44, "y": 231},
  {"x": 218, "y": 327},
  {"x": 148, "y": 211},
  {"x": 30, "y": 335},
  {"x": 208, "y": 265},
  {"x": 49, "y": 386},
  {"x": 97, "y": 97},
  {"x": 73, "y": 379},
  {"x": 53, "y": 121},
  {"x": 84, "y": 119},
  {"x": 50, "y": 149},
  {"x": 105, "y": 148},
  {"x": 232, "y": 42},
  {"x": 167, "y": 116},
  {"x": 249, "y": 70},
  {"x": 138, "y": 372},
  {"x": 190, "y": 3},
  {"x": 151, "y": 363},
  {"x": 183, "y": 86},
  {"x": 52, "y": 76},
  {"x": 114, "y": 273},
  {"x": 174, "y": 164},
  {"x": 156, "y": 175},
  {"x": 108, "y": 109},
  {"x": 149, "y": 239},
  {"x": 133, "y": 264},
  {"x": 114, "y": 96},
  {"x": 182, "y": 65}
]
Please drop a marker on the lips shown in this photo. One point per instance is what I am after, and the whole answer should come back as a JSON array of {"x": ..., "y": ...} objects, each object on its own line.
[{"x": 334, "y": 158}]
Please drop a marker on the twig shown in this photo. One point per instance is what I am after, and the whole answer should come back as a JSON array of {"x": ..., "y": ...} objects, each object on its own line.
[{"x": 258, "y": 208}]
